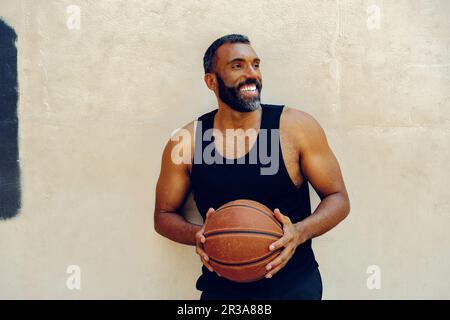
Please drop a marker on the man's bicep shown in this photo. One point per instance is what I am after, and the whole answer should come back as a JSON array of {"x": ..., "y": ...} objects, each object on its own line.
[
  {"x": 173, "y": 183},
  {"x": 319, "y": 163}
]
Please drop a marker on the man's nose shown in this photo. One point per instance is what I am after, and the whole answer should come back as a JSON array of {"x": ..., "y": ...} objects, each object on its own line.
[{"x": 251, "y": 72}]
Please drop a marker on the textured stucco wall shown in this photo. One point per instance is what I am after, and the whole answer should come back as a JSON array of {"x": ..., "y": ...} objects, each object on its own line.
[{"x": 98, "y": 103}]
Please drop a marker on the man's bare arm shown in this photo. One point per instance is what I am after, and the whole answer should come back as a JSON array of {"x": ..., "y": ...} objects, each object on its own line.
[
  {"x": 171, "y": 190},
  {"x": 321, "y": 168}
]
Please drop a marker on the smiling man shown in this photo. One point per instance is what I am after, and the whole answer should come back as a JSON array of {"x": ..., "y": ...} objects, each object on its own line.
[{"x": 298, "y": 145}]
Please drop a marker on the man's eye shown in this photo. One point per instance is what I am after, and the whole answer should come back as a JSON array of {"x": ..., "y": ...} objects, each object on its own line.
[
  {"x": 236, "y": 66},
  {"x": 256, "y": 65}
]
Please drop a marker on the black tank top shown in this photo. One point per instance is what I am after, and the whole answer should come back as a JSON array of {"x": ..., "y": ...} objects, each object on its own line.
[{"x": 218, "y": 183}]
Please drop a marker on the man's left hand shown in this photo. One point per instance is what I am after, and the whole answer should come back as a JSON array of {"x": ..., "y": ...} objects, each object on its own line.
[{"x": 293, "y": 237}]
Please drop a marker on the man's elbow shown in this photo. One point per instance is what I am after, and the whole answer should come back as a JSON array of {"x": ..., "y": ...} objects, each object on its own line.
[
  {"x": 157, "y": 222},
  {"x": 346, "y": 206}
]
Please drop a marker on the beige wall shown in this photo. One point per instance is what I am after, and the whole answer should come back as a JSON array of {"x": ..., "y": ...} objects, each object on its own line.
[{"x": 98, "y": 104}]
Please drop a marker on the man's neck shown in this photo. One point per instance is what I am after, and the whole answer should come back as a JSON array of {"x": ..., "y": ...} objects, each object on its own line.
[{"x": 228, "y": 118}]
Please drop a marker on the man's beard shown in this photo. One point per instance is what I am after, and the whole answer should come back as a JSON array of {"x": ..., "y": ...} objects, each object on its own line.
[{"x": 232, "y": 96}]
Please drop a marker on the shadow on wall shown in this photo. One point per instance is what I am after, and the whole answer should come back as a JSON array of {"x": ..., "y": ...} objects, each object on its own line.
[{"x": 9, "y": 147}]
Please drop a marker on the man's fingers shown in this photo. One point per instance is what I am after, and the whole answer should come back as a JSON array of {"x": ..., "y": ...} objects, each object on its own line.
[
  {"x": 199, "y": 234},
  {"x": 279, "y": 262},
  {"x": 210, "y": 211},
  {"x": 283, "y": 257},
  {"x": 200, "y": 240},
  {"x": 275, "y": 270},
  {"x": 202, "y": 253},
  {"x": 281, "y": 217},
  {"x": 207, "y": 265},
  {"x": 280, "y": 243},
  {"x": 278, "y": 215},
  {"x": 204, "y": 258}
]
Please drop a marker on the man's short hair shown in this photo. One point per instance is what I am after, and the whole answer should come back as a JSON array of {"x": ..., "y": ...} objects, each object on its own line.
[{"x": 210, "y": 54}]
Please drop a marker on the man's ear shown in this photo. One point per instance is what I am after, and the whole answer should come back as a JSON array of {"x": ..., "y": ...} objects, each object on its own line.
[{"x": 211, "y": 81}]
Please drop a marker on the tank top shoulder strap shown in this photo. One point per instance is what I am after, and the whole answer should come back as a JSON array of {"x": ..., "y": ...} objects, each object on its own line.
[
  {"x": 204, "y": 122},
  {"x": 207, "y": 120},
  {"x": 271, "y": 116}
]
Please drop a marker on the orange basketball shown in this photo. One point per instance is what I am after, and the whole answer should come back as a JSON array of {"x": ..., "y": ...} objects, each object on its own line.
[{"x": 238, "y": 236}]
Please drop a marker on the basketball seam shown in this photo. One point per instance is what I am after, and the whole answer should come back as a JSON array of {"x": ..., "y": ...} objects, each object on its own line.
[
  {"x": 216, "y": 233},
  {"x": 247, "y": 263},
  {"x": 249, "y": 206}
]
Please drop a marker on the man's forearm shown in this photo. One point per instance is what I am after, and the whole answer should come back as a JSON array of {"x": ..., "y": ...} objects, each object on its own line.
[
  {"x": 331, "y": 210},
  {"x": 173, "y": 226}
]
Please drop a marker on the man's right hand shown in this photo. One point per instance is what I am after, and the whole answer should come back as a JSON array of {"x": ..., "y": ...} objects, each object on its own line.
[{"x": 200, "y": 240}]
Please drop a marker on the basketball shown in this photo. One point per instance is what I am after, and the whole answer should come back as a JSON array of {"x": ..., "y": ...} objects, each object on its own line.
[{"x": 238, "y": 236}]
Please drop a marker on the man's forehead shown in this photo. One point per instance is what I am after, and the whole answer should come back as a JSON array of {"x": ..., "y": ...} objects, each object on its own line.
[{"x": 231, "y": 51}]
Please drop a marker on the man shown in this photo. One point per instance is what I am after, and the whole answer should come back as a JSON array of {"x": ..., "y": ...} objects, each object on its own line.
[{"x": 220, "y": 170}]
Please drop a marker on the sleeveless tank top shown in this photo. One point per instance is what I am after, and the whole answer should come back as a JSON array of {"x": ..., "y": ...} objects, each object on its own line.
[{"x": 217, "y": 182}]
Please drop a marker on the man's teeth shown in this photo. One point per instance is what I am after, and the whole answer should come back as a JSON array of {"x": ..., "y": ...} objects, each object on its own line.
[{"x": 248, "y": 88}]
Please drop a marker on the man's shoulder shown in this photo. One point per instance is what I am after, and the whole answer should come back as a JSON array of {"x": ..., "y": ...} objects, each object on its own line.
[
  {"x": 182, "y": 132},
  {"x": 189, "y": 129},
  {"x": 182, "y": 137},
  {"x": 298, "y": 120},
  {"x": 302, "y": 128}
]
